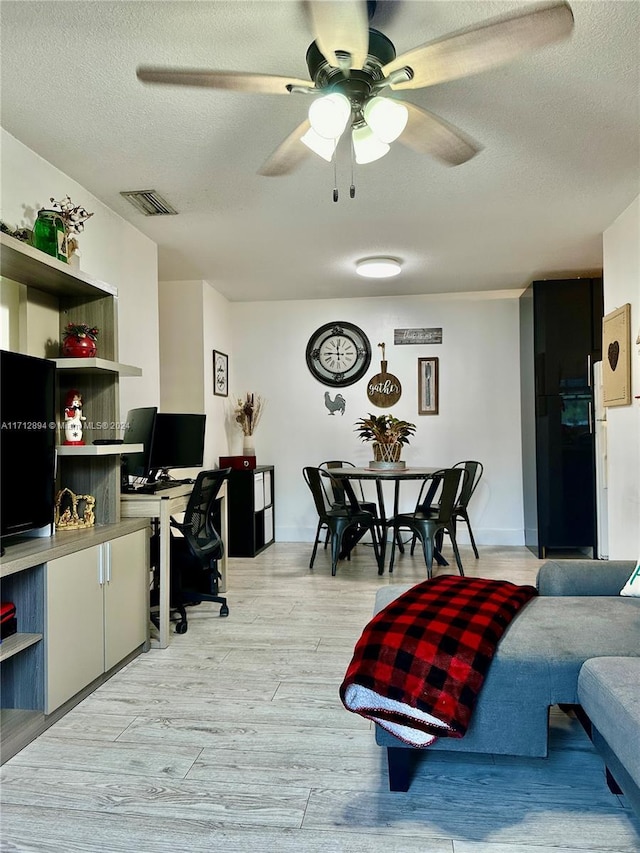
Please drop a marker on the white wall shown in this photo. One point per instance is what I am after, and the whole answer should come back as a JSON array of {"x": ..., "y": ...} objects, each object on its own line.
[
  {"x": 112, "y": 250},
  {"x": 479, "y": 397},
  {"x": 621, "y": 285},
  {"x": 194, "y": 320}
]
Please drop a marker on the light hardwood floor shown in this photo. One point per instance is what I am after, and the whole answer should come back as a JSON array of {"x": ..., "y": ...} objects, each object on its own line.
[{"x": 234, "y": 739}]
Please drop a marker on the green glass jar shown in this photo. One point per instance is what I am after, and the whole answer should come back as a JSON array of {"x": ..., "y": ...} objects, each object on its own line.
[{"x": 49, "y": 234}]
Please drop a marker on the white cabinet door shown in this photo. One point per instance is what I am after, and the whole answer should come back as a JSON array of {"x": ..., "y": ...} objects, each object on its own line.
[
  {"x": 74, "y": 625},
  {"x": 126, "y": 596}
]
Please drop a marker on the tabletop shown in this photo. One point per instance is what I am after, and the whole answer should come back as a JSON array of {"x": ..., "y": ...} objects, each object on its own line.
[{"x": 409, "y": 473}]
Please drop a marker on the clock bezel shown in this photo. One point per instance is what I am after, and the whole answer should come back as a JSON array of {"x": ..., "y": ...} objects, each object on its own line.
[{"x": 361, "y": 364}]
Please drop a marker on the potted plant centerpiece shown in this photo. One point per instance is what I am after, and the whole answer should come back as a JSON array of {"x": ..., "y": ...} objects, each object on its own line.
[{"x": 387, "y": 434}]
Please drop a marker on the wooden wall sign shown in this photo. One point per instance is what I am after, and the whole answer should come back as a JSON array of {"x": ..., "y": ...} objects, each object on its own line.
[
  {"x": 417, "y": 336},
  {"x": 616, "y": 357},
  {"x": 384, "y": 389}
]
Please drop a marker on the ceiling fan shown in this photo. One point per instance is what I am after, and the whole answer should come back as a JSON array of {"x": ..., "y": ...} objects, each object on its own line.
[{"x": 352, "y": 68}]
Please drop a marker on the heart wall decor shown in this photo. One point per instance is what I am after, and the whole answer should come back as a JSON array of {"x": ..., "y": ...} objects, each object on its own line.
[
  {"x": 613, "y": 353},
  {"x": 616, "y": 357}
]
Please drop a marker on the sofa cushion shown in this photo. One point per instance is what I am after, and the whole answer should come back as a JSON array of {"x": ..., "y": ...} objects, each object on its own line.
[{"x": 609, "y": 692}]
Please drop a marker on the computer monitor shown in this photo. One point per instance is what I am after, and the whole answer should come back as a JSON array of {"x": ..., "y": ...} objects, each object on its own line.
[
  {"x": 140, "y": 430},
  {"x": 178, "y": 442}
]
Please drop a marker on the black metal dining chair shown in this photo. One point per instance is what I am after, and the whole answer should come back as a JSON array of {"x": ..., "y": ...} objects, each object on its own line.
[
  {"x": 347, "y": 522},
  {"x": 474, "y": 471},
  {"x": 338, "y": 497},
  {"x": 460, "y": 511},
  {"x": 431, "y": 518}
]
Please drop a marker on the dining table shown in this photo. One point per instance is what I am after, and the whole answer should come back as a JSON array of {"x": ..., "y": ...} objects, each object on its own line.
[{"x": 396, "y": 476}]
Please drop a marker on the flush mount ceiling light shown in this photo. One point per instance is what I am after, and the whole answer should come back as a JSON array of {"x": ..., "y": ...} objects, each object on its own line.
[{"x": 378, "y": 267}]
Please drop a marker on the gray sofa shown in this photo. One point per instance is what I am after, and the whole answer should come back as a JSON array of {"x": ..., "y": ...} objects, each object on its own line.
[{"x": 578, "y": 615}]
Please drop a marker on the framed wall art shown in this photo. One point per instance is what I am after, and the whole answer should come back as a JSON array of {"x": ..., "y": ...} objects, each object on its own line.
[
  {"x": 220, "y": 374},
  {"x": 616, "y": 357},
  {"x": 428, "y": 386}
]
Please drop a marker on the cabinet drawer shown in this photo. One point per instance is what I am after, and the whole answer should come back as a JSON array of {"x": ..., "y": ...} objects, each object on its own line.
[{"x": 258, "y": 492}]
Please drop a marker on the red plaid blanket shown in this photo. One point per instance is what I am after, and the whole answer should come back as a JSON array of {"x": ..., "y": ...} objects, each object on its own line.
[{"x": 419, "y": 665}]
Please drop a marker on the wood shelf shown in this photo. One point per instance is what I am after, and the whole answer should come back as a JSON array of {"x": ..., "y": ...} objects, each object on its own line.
[
  {"x": 81, "y": 365},
  {"x": 28, "y": 567},
  {"x": 98, "y": 449},
  {"x": 17, "y": 643},
  {"x": 22, "y": 263}
]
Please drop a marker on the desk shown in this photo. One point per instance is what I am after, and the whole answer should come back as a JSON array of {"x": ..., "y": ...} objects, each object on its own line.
[
  {"x": 382, "y": 475},
  {"x": 162, "y": 506}
]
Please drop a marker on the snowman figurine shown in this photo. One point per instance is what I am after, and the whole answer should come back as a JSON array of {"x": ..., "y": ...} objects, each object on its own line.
[{"x": 73, "y": 419}]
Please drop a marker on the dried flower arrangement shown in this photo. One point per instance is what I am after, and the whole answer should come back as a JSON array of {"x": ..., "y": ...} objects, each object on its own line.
[
  {"x": 73, "y": 215},
  {"x": 80, "y": 330},
  {"x": 248, "y": 411}
]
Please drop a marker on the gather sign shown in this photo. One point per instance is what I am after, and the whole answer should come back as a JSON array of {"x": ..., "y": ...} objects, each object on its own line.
[{"x": 384, "y": 389}]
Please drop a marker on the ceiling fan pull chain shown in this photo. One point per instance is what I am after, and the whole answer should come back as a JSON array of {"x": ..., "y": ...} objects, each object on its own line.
[
  {"x": 352, "y": 188},
  {"x": 335, "y": 179}
]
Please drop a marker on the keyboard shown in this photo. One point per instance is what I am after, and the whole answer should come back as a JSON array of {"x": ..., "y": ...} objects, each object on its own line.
[{"x": 153, "y": 488}]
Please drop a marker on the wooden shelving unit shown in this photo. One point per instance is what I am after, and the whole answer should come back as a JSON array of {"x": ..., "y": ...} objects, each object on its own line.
[{"x": 33, "y": 569}]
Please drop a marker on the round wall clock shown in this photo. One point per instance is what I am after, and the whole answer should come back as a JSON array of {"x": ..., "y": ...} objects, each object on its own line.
[{"x": 338, "y": 354}]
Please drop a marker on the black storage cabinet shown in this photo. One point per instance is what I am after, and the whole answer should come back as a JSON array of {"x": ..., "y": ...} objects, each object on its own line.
[
  {"x": 560, "y": 339},
  {"x": 250, "y": 506}
]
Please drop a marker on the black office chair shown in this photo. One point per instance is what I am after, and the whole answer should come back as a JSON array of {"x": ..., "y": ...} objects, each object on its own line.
[
  {"x": 195, "y": 553},
  {"x": 347, "y": 523},
  {"x": 429, "y": 520}
]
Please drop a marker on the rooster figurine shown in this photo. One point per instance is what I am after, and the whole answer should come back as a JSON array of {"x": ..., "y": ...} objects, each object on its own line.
[{"x": 337, "y": 405}]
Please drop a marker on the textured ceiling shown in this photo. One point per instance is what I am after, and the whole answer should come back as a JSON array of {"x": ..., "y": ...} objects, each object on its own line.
[{"x": 560, "y": 130}]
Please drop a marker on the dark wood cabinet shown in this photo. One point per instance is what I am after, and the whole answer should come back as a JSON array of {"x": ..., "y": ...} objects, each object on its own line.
[
  {"x": 250, "y": 503},
  {"x": 561, "y": 338}
]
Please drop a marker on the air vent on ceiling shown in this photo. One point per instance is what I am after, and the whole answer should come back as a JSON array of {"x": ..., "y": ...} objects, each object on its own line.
[{"x": 149, "y": 203}]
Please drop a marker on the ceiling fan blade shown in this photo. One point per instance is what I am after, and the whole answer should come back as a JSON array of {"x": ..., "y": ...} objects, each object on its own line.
[
  {"x": 480, "y": 48},
  {"x": 288, "y": 155},
  {"x": 428, "y": 134},
  {"x": 341, "y": 25},
  {"x": 239, "y": 81}
]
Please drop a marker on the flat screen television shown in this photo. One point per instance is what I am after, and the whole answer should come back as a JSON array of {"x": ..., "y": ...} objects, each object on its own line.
[
  {"x": 178, "y": 442},
  {"x": 140, "y": 430},
  {"x": 27, "y": 445}
]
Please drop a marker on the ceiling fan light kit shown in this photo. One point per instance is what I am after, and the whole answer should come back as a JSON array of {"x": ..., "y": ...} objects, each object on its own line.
[
  {"x": 329, "y": 115},
  {"x": 352, "y": 67},
  {"x": 386, "y": 118},
  {"x": 378, "y": 267},
  {"x": 367, "y": 147},
  {"x": 320, "y": 145}
]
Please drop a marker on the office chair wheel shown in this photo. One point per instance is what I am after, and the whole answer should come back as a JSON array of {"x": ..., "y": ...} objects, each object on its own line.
[
  {"x": 181, "y": 627},
  {"x": 224, "y": 610}
]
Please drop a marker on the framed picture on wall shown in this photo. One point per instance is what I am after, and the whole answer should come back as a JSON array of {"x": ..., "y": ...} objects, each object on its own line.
[
  {"x": 220, "y": 374},
  {"x": 616, "y": 357},
  {"x": 428, "y": 386}
]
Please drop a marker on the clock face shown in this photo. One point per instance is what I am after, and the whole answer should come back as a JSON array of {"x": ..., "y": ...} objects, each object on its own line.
[{"x": 338, "y": 354}]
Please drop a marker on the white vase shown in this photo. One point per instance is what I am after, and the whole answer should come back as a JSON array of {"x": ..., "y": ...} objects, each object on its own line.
[{"x": 248, "y": 446}]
